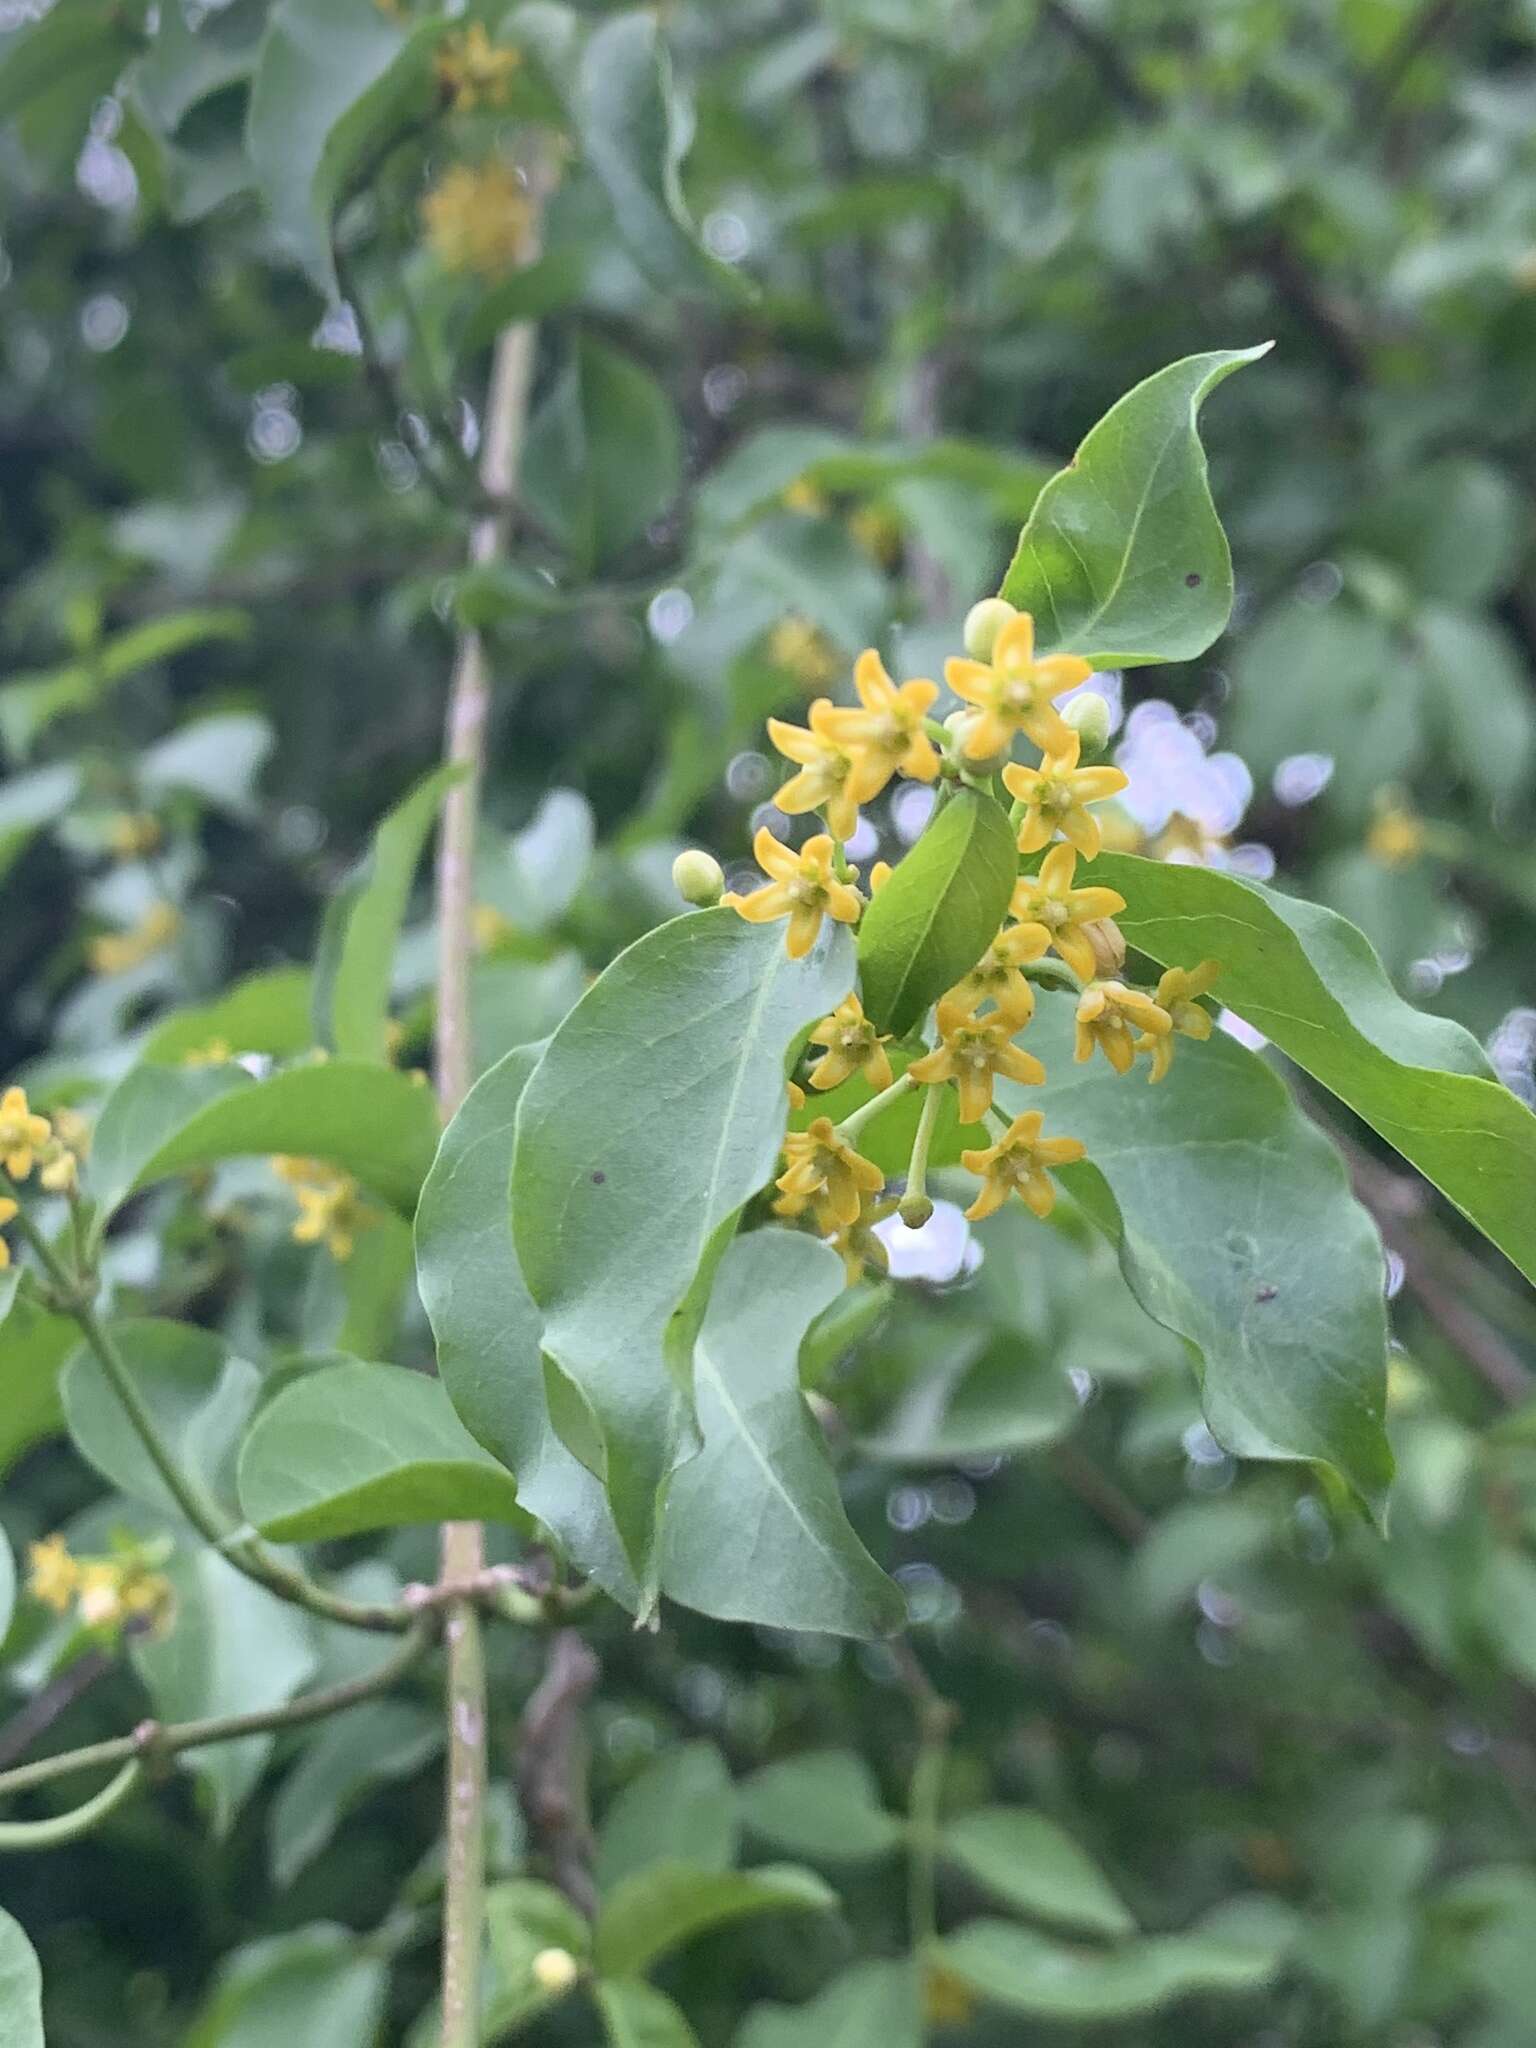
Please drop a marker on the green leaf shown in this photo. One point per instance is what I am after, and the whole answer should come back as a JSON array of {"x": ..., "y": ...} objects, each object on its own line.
[
  {"x": 216, "y": 758},
  {"x": 1481, "y": 699},
  {"x": 547, "y": 862},
  {"x": 357, "y": 1446},
  {"x": 668, "y": 1904},
  {"x": 551, "y": 284},
  {"x": 1029, "y": 1863},
  {"x": 523, "y": 1918},
  {"x": 754, "y": 1527},
  {"x": 28, "y": 802},
  {"x": 7, "y": 1584},
  {"x": 938, "y": 912},
  {"x": 633, "y": 135},
  {"x": 681, "y": 1808},
  {"x": 824, "y": 1806},
  {"x": 1238, "y": 1949},
  {"x": 1195, "y": 1541},
  {"x": 201, "y": 1399},
  {"x": 1308, "y": 980},
  {"x": 368, "y": 1121},
  {"x": 267, "y": 1013},
  {"x": 873, "y": 2005},
  {"x": 1237, "y": 1229},
  {"x": 332, "y": 77},
  {"x": 372, "y": 1744},
  {"x": 34, "y": 1343},
  {"x": 30, "y": 703},
  {"x": 1123, "y": 559},
  {"x": 21, "y": 1989},
  {"x": 318, "y": 1984},
  {"x": 1455, "y": 527},
  {"x": 233, "y": 1649},
  {"x": 604, "y": 454},
  {"x": 192, "y": 57},
  {"x": 362, "y": 927},
  {"x": 636, "y": 2015},
  {"x": 488, "y": 1329},
  {"x": 655, "y": 1114}
]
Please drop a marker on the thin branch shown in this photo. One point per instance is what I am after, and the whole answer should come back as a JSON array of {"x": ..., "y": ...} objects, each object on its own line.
[
  {"x": 551, "y": 1768},
  {"x": 152, "y": 1739},
  {"x": 462, "y": 1548},
  {"x": 1380, "y": 87},
  {"x": 56, "y": 1698},
  {"x": 936, "y": 1718}
]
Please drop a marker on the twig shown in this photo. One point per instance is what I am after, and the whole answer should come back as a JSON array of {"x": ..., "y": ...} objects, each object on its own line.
[
  {"x": 152, "y": 1739},
  {"x": 1097, "y": 1491},
  {"x": 551, "y": 1768},
  {"x": 46, "y": 1706},
  {"x": 1380, "y": 87},
  {"x": 462, "y": 1548}
]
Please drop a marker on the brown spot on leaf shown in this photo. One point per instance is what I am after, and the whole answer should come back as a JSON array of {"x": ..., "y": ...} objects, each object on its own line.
[{"x": 1192, "y": 580}]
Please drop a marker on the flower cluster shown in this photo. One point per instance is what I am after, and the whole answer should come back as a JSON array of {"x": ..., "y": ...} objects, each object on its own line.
[
  {"x": 843, "y": 757},
  {"x": 331, "y": 1208},
  {"x": 53, "y": 1147},
  {"x": 106, "y": 1593},
  {"x": 479, "y": 218},
  {"x": 118, "y": 952},
  {"x": 475, "y": 72}
]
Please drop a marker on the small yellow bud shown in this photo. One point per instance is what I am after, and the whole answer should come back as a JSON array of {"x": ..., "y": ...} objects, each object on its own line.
[
  {"x": 983, "y": 623},
  {"x": 698, "y": 878},
  {"x": 555, "y": 1970},
  {"x": 1089, "y": 717}
]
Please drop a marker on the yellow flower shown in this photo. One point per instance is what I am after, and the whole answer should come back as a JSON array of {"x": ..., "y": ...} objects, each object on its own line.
[
  {"x": 972, "y": 1053},
  {"x": 803, "y": 497},
  {"x": 835, "y": 775},
  {"x": 331, "y": 1211},
  {"x": 1176, "y": 994},
  {"x": 890, "y": 724},
  {"x": 1014, "y": 692},
  {"x": 7, "y": 1215},
  {"x": 473, "y": 72},
  {"x": 72, "y": 1129},
  {"x": 878, "y": 533},
  {"x": 100, "y": 1593},
  {"x": 997, "y": 978},
  {"x": 52, "y": 1574},
  {"x": 1115, "y": 1018},
  {"x": 1016, "y": 1165},
  {"x": 948, "y": 2001},
  {"x": 21, "y": 1133},
  {"x": 216, "y": 1053},
  {"x": 478, "y": 219},
  {"x": 1049, "y": 899},
  {"x": 1396, "y": 837},
  {"x": 1056, "y": 796},
  {"x": 59, "y": 1172},
  {"x": 118, "y": 952},
  {"x": 823, "y": 1173},
  {"x": 853, "y": 1046},
  {"x": 131, "y": 834},
  {"x": 803, "y": 888},
  {"x": 797, "y": 645}
]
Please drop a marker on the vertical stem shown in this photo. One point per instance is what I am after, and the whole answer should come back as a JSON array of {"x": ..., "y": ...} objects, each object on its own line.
[
  {"x": 935, "y": 1719},
  {"x": 462, "y": 1548}
]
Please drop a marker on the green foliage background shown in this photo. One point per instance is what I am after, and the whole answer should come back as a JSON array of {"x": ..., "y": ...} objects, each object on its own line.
[{"x": 934, "y": 245}]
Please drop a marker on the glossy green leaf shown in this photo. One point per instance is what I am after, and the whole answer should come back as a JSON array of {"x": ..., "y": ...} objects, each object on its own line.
[
  {"x": 1237, "y": 1229},
  {"x": 754, "y": 1528},
  {"x": 233, "y": 1649},
  {"x": 660, "y": 1908},
  {"x": 633, "y": 135},
  {"x": 370, "y": 1745},
  {"x": 1308, "y": 980},
  {"x": 1026, "y": 1861},
  {"x": 939, "y": 911},
  {"x": 201, "y": 1399},
  {"x": 369, "y": 1121},
  {"x": 267, "y": 1013},
  {"x": 317, "y": 1984},
  {"x": 488, "y": 1329},
  {"x": 21, "y": 1988},
  {"x": 523, "y": 1917},
  {"x": 655, "y": 1114},
  {"x": 356, "y": 1446},
  {"x": 1238, "y": 1949},
  {"x": 1124, "y": 559},
  {"x": 873, "y": 2005},
  {"x": 362, "y": 928},
  {"x": 824, "y": 1806},
  {"x": 34, "y": 1343},
  {"x": 604, "y": 455},
  {"x": 681, "y": 1808},
  {"x": 332, "y": 76},
  {"x": 636, "y": 2015}
]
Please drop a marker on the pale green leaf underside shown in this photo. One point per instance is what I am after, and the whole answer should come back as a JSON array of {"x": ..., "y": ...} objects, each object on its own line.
[
  {"x": 1026, "y": 1861},
  {"x": 21, "y": 1989},
  {"x": 671, "y": 1903},
  {"x": 1124, "y": 559}
]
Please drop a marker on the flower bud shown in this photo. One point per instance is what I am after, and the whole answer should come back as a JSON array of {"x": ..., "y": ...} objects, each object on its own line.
[
  {"x": 915, "y": 1211},
  {"x": 555, "y": 1970},
  {"x": 1089, "y": 717},
  {"x": 958, "y": 722},
  {"x": 983, "y": 623},
  {"x": 698, "y": 878},
  {"x": 1108, "y": 943}
]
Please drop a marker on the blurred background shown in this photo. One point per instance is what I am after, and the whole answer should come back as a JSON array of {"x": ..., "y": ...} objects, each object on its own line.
[{"x": 938, "y": 242}]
